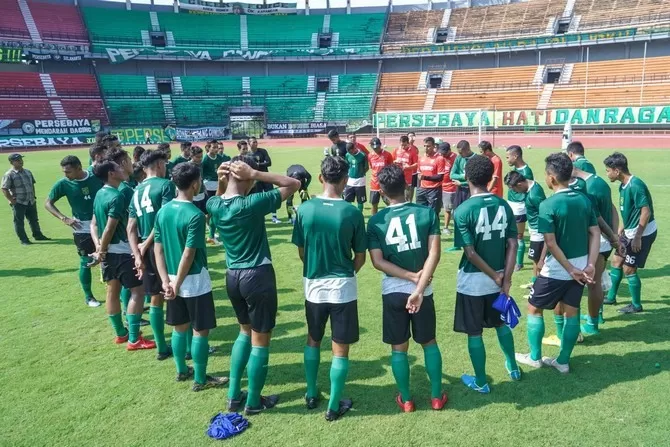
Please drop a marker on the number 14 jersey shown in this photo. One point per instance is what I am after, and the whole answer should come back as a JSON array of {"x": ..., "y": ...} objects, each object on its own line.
[
  {"x": 148, "y": 198},
  {"x": 485, "y": 222}
]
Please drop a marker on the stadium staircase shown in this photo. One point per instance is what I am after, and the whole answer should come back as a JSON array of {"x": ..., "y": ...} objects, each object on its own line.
[
  {"x": 168, "y": 109},
  {"x": 538, "y": 79},
  {"x": 311, "y": 84},
  {"x": 545, "y": 97},
  {"x": 244, "y": 33},
  {"x": 152, "y": 88},
  {"x": 334, "y": 86},
  {"x": 30, "y": 21},
  {"x": 422, "y": 80},
  {"x": 177, "y": 87},
  {"x": 566, "y": 74},
  {"x": 446, "y": 78},
  {"x": 430, "y": 99},
  {"x": 155, "y": 23},
  {"x": 58, "y": 22},
  {"x": 48, "y": 85},
  {"x": 59, "y": 111},
  {"x": 320, "y": 106},
  {"x": 569, "y": 8}
]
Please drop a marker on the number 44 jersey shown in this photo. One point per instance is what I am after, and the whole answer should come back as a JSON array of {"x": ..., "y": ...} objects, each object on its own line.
[
  {"x": 148, "y": 198},
  {"x": 485, "y": 222}
]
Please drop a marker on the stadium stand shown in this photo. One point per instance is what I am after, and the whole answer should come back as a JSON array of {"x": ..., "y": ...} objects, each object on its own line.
[
  {"x": 58, "y": 22},
  {"x": 211, "y": 85},
  {"x": 21, "y": 84},
  {"x": 26, "y": 108},
  {"x": 203, "y": 111},
  {"x": 194, "y": 30},
  {"x": 278, "y": 85},
  {"x": 598, "y": 14},
  {"x": 361, "y": 31},
  {"x": 124, "y": 85},
  {"x": 116, "y": 26},
  {"x": 134, "y": 111},
  {"x": 12, "y": 24},
  {"x": 411, "y": 27},
  {"x": 296, "y": 31}
]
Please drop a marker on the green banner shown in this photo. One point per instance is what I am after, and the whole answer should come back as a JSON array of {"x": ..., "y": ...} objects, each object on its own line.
[
  {"x": 140, "y": 135},
  {"x": 517, "y": 43},
  {"x": 604, "y": 116},
  {"x": 7, "y": 141}
]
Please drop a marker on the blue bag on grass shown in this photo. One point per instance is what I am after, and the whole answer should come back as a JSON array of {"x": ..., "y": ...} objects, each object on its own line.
[{"x": 224, "y": 426}]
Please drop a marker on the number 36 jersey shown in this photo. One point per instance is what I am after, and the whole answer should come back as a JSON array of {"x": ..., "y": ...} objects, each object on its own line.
[
  {"x": 148, "y": 198},
  {"x": 401, "y": 232},
  {"x": 485, "y": 222}
]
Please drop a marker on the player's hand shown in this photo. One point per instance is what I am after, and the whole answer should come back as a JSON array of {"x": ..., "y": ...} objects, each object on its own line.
[
  {"x": 72, "y": 222},
  {"x": 577, "y": 275},
  {"x": 456, "y": 182},
  {"x": 12, "y": 201},
  {"x": 96, "y": 258},
  {"x": 415, "y": 276},
  {"x": 223, "y": 171},
  {"x": 589, "y": 274},
  {"x": 175, "y": 288},
  {"x": 414, "y": 302},
  {"x": 139, "y": 267},
  {"x": 500, "y": 277},
  {"x": 242, "y": 171},
  {"x": 636, "y": 244},
  {"x": 506, "y": 286},
  {"x": 168, "y": 291}
]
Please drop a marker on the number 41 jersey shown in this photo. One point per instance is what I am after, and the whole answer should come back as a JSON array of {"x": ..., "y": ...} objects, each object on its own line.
[
  {"x": 401, "y": 232},
  {"x": 485, "y": 222},
  {"x": 148, "y": 198}
]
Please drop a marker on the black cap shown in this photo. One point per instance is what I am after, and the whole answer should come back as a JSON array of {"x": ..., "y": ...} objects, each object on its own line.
[
  {"x": 376, "y": 142},
  {"x": 15, "y": 156},
  {"x": 443, "y": 147}
]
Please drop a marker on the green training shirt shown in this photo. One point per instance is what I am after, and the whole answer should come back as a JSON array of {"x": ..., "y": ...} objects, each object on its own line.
[
  {"x": 458, "y": 169},
  {"x": 568, "y": 215},
  {"x": 148, "y": 198},
  {"x": 210, "y": 166},
  {"x": 330, "y": 231},
  {"x": 485, "y": 222},
  {"x": 179, "y": 160},
  {"x": 534, "y": 197},
  {"x": 109, "y": 203},
  {"x": 241, "y": 224},
  {"x": 517, "y": 197},
  {"x": 402, "y": 234},
  {"x": 582, "y": 163},
  {"x": 80, "y": 195},
  {"x": 358, "y": 166},
  {"x": 180, "y": 225},
  {"x": 633, "y": 196},
  {"x": 600, "y": 190}
]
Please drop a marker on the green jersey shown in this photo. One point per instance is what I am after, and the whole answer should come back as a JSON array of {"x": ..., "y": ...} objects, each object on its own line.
[
  {"x": 148, "y": 198},
  {"x": 80, "y": 195},
  {"x": 633, "y": 196},
  {"x": 358, "y": 166},
  {"x": 109, "y": 203},
  {"x": 211, "y": 165},
  {"x": 485, "y": 222},
  {"x": 517, "y": 197},
  {"x": 568, "y": 215},
  {"x": 582, "y": 163},
  {"x": 179, "y": 160},
  {"x": 579, "y": 184},
  {"x": 402, "y": 234},
  {"x": 600, "y": 190},
  {"x": 534, "y": 197},
  {"x": 458, "y": 169},
  {"x": 168, "y": 169},
  {"x": 180, "y": 225},
  {"x": 329, "y": 231},
  {"x": 241, "y": 223}
]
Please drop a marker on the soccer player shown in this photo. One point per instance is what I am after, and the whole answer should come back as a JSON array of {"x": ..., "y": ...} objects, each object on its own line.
[
  {"x": 79, "y": 187},
  {"x": 220, "y": 148},
  {"x": 250, "y": 278},
  {"x": 358, "y": 166},
  {"x": 108, "y": 231},
  {"x": 301, "y": 174},
  {"x": 572, "y": 251},
  {"x": 330, "y": 236},
  {"x": 361, "y": 147},
  {"x": 185, "y": 155},
  {"x": 96, "y": 154},
  {"x": 431, "y": 174},
  {"x": 533, "y": 197},
  {"x": 339, "y": 147},
  {"x": 264, "y": 162},
  {"x": 575, "y": 151},
  {"x": 242, "y": 147},
  {"x": 377, "y": 159},
  {"x": 181, "y": 261},
  {"x": 404, "y": 244},
  {"x": 200, "y": 199},
  {"x": 637, "y": 231},
  {"x": 408, "y": 159},
  {"x": 415, "y": 174},
  {"x": 483, "y": 228},
  {"x": 149, "y": 197},
  {"x": 165, "y": 148},
  {"x": 448, "y": 186},
  {"x": 457, "y": 175},
  {"x": 210, "y": 165},
  {"x": 496, "y": 185},
  {"x": 137, "y": 153},
  {"x": 514, "y": 155}
]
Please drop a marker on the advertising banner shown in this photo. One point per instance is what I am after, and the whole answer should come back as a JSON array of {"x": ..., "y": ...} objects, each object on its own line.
[
  {"x": 144, "y": 135},
  {"x": 60, "y": 140},
  {"x": 238, "y": 8},
  {"x": 201, "y": 133},
  {"x": 290, "y": 129},
  {"x": 60, "y": 127}
]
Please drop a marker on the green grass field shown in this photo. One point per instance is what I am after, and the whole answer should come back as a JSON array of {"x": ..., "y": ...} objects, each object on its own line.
[{"x": 64, "y": 382}]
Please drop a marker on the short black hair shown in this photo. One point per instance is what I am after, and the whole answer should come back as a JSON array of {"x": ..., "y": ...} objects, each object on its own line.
[
  {"x": 116, "y": 155},
  {"x": 164, "y": 147},
  {"x": 479, "y": 171},
  {"x": 150, "y": 158},
  {"x": 184, "y": 174},
  {"x": 110, "y": 140},
  {"x": 404, "y": 139},
  {"x": 96, "y": 149},
  {"x": 411, "y": 133},
  {"x": 137, "y": 153},
  {"x": 138, "y": 169},
  {"x": 463, "y": 144},
  {"x": 248, "y": 159},
  {"x": 252, "y": 138},
  {"x": 617, "y": 161},
  {"x": 185, "y": 145},
  {"x": 576, "y": 147},
  {"x": 100, "y": 135},
  {"x": 560, "y": 166},
  {"x": 391, "y": 178},
  {"x": 485, "y": 146},
  {"x": 241, "y": 143},
  {"x": 334, "y": 169},
  {"x": 513, "y": 178},
  {"x": 196, "y": 150},
  {"x": 102, "y": 169},
  {"x": 333, "y": 133},
  {"x": 430, "y": 140},
  {"x": 70, "y": 160},
  {"x": 444, "y": 147},
  {"x": 516, "y": 150}
]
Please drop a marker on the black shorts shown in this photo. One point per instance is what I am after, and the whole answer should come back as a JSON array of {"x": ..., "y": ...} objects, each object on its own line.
[
  {"x": 521, "y": 218},
  {"x": 430, "y": 197},
  {"x": 355, "y": 192},
  {"x": 84, "y": 244},
  {"x": 535, "y": 251},
  {"x": 474, "y": 313},
  {"x": 607, "y": 254},
  {"x": 263, "y": 187},
  {"x": 197, "y": 310},
  {"x": 121, "y": 267},
  {"x": 343, "y": 321},
  {"x": 415, "y": 180},
  {"x": 397, "y": 321},
  {"x": 201, "y": 205},
  {"x": 152, "y": 281},
  {"x": 462, "y": 194},
  {"x": 253, "y": 294},
  {"x": 546, "y": 293},
  {"x": 375, "y": 197},
  {"x": 639, "y": 259}
]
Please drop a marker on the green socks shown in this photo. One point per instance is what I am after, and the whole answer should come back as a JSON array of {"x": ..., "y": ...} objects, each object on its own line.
[
  {"x": 533, "y": 279},
  {"x": 400, "y": 368},
  {"x": 189, "y": 339},
  {"x": 147, "y": 299},
  {"x": 520, "y": 251},
  {"x": 179, "y": 351},
  {"x": 616, "y": 275},
  {"x": 535, "y": 333},
  {"x": 338, "y": 376},
  {"x": 478, "y": 358},
  {"x": 635, "y": 288},
  {"x": 133, "y": 327},
  {"x": 506, "y": 340},
  {"x": 257, "y": 370},
  {"x": 239, "y": 357},
  {"x": 559, "y": 321},
  {"x": 569, "y": 339},
  {"x": 85, "y": 276},
  {"x": 200, "y": 352},
  {"x": 212, "y": 231},
  {"x": 117, "y": 324},
  {"x": 157, "y": 321},
  {"x": 360, "y": 208},
  {"x": 433, "y": 360},
  {"x": 125, "y": 299},
  {"x": 312, "y": 357}
]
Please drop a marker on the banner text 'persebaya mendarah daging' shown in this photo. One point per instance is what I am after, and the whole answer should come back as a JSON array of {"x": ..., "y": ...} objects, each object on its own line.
[{"x": 603, "y": 116}]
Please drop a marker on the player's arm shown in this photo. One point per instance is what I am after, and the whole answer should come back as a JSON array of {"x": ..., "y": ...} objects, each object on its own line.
[
  {"x": 606, "y": 230},
  {"x": 553, "y": 248},
  {"x": 8, "y": 195},
  {"x": 134, "y": 241},
  {"x": 510, "y": 263},
  {"x": 359, "y": 261},
  {"x": 107, "y": 235},
  {"x": 222, "y": 174},
  {"x": 477, "y": 261},
  {"x": 287, "y": 185},
  {"x": 384, "y": 266},
  {"x": 50, "y": 205},
  {"x": 162, "y": 271},
  {"x": 645, "y": 215},
  {"x": 267, "y": 161},
  {"x": 615, "y": 220},
  {"x": 94, "y": 233},
  {"x": 457, "y": 172},
  {"x": 429, "y": 267},
  {"x": 185, "y": 263}
]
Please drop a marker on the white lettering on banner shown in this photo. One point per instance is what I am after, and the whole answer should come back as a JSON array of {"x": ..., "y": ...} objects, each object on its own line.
[
  {"x": 34, "y": 142},
  {"x": 61, "y": 123},
  {"x": 123, "y": 54},
  {"x": 248, "y": 55},
  {"x": 203, "y": 55}
]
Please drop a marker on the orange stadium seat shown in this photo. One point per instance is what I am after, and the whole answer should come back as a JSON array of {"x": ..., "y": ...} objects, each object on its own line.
[{"x": 602, "y": 14}]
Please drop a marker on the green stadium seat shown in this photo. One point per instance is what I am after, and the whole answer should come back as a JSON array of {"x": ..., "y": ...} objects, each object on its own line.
[
  {"x": 211, "y": 85},
  {"x": 287, "y": 108},
  {"x": 278, "y": 84},
  {"x": 341, "y": 107},
  {"x": 202, "y": 111},
  {"x": 131, "y": 112},
  {"x": 123, "y": 85},
  {"x": 202, "y": 30},
  {"x": 119, "y": 26},
  {"x": 361, "y": 83},
  {"x": 358, "y": 30},
  {"x": 282, "y": 31}
]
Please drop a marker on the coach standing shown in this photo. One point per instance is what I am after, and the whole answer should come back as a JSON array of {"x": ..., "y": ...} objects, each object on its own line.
[{"x": 18, "y": 186}]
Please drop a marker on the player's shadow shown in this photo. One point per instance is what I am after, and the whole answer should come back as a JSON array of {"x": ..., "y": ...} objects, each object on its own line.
[
  {"x": 648, "y": 327},
  {"x": 32, "y": 272},
  {"x": 654, "y": 273}
]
